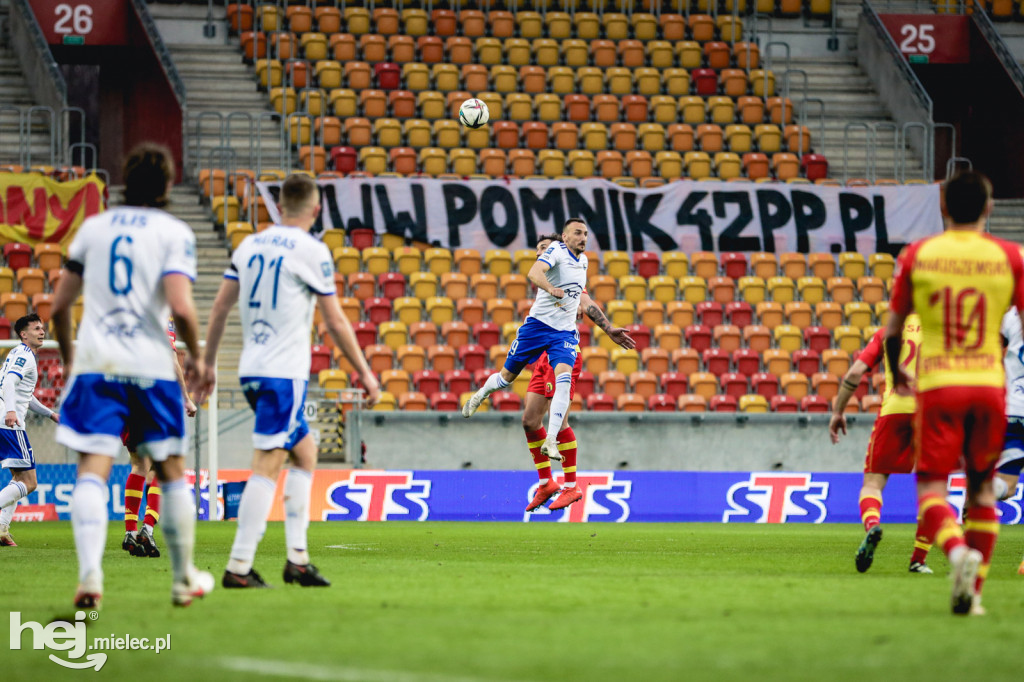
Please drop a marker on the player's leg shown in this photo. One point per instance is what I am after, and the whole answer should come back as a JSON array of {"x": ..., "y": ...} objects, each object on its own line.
[
  {"x": 559, "y": 404},
  {"x": 528, "y": 345},
  {"x": 938, "y": 446},
  {"x": 534, "y": 408},
  {"x": 298, "y": 486},
  {"x": 179, "y": 530},
  {"x": 23, "y": 483},
  {"x": 133, "y": 488},
  {"x": 253, "y": 510},
  {"x": 567, "y": 447},
  {"x": 871, "y": 516},
  {"x": 89, "y": 525},
  {"x": 154, "y": 494},
  {"x": 984, "y": 439}
]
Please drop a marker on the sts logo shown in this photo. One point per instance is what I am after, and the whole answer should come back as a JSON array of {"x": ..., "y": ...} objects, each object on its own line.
[
  {"x": 1010, "y": 510},
  {"x": 777, "y": 498},
  {"x": 604, "y": 499},
  {"x": 378, "y": 496}
]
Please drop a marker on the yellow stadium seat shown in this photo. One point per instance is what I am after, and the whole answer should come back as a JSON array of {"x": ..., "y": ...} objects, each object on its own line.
[
  {"x": 676, "y": 264},
  {"x": 662, "y": 288},
  {"x": 752, "y": 289},
  {"x": 847, "y": 338},
  {"x": 438, "y": 261},
  {"x": 346, "y": 260},
  {"x": 788, "y": 337},
  {"x": 811, "y": 289},
  {"x": 693, "y": 289},
  {"x": 440, "y": 309}
]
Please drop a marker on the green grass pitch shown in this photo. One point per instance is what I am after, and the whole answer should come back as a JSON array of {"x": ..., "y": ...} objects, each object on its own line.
[{"x": 474, "y": 602}]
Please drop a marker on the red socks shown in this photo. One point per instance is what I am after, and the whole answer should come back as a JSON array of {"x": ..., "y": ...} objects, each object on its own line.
[
  {"x": 938, "y": 520},
  {"x": 922, "y": 543},
  {"x": 870, "y": 510},
  {"x": 152, "y": 504},
  {"x": 534, "y": 439},
  {"x": 132, "y": 501},
  {"x": 982, "y": 531},
  {"x": 567, "y": 448}
]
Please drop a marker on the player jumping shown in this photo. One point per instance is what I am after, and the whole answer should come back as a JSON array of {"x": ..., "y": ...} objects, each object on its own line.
[
  {"x": 1011, "y": 461},
  {"x": 560, "y": 274},
  {"x": 283, "y": 272},
  {"x": 538, "y": 398},
  {"x": 135, "y": 265},
  {"x": 137, "y": 542},
  {"x": 17, "y": 387},
  {"x": 890, "y": 449},
  {"x": 960, "y": 283}
]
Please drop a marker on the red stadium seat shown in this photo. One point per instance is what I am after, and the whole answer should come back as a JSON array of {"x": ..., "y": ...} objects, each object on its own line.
[
  {"x": 377, "y": 310},
  {"x": 747, "y": 361},
  {"x": 675, "y": 384},
  {"x": 698, "y": 337},
  {"x": 487, "y": 334},
  {"x": 733, "y": 384},
  {"x": 646, "y": 264},
  {"x": 817, "y": 338},
  {"x": 815, "y": 403},
  {"x": 427, "y": 381},
  {"x": 641, "y": 334},
  {"x": 506, "y": 401},
  {"x": 600, "y": 402},
  {"x": 739, "y": 313},
  {"x": 444, "y": 402},
  {"x": 18, "y": 255},
  {"x": 458, "y": 381},
  {"x": 320, "y": 358},
  {"x": 764, "y": 383},
  {"x": 716, "y": 361},
  {"x": 734, "y": 265},
  {"x": 661, "y": 402},
  {"x": 723, "y": 403},
  {"x": 709, "y": 313},
  {"x": 784, "y": 403},
  {"x": 806, "y": 361},
  {"x": 473, "y": 357},
  {"x": 585, "y": 384}
]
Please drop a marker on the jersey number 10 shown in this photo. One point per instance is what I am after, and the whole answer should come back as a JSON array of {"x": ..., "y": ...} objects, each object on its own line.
[{"x": 961, "y": 313}]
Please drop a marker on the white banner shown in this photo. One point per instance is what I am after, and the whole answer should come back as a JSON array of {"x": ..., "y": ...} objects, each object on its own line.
[{"x": 686, "y": 216}]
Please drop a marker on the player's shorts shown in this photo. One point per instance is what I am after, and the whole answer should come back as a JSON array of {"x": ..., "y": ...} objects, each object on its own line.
[
  {"x": 1011, "y": 461},
  {"x": 280, "y": 417},
  {"x": 543, "y": 380},
  {"x": 15, "y": 450},
  {"x": 97, "y": 409},
  {"x": 534, "y": 338},
  {"x": 959, "y": 426},
  {"x": 891, "y": 448}
]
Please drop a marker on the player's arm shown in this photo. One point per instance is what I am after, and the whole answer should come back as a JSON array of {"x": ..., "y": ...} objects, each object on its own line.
[
  {"x": 846, "y": 390},
  {"x": 68, "y": 289},
  {"x": 35, "y": 406},
  {"x": 178, "y": 289},
  {"x": 594, "y": 312},
  {"x": 344, "y": 338},
  {"x": 227, "y": 296},
  {"x": 901, "y": 304},
  {"x": 537, "y": 276},
  {"x": 10, "y": 397},
  {"x": 179, "y": 374}
]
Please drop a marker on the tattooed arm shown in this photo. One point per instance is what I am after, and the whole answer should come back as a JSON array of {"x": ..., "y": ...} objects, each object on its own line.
[{"x": 594, "y": 312}]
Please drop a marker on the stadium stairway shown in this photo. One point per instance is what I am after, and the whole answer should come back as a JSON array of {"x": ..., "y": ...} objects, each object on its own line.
[
  {"x": 14, "y": 92},
  {"x": 216, "y": 81},
  {"x": 850, "y": 97},
  {"x": 1007, "y": 220}
]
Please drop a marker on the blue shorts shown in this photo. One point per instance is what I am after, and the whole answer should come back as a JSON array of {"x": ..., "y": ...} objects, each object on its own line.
[
  {"x": 535, "y": 338},
  {"x": 280, "y": 417},
  {"x": 15, "y": 450},
  {"x": 96, "y": 409},
  {"x": 1012, "y": 460}
]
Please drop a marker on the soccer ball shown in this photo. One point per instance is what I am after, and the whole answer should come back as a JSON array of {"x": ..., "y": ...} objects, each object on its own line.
[{"x": 473, "y": 113}]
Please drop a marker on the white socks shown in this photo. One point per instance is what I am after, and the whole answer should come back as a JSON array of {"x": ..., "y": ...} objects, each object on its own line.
[
  {"x": 252, "y": 522},
  {"x": 89, "y": 523},
  {"x": 493, "y": 383},
  {"x": 9, "y": 496},
  {"x": 999, "y": 487},
  {"x": 297, "y": 487},
  {"x": 559, "y": 403},
  {"x": 179, "y": 525}
]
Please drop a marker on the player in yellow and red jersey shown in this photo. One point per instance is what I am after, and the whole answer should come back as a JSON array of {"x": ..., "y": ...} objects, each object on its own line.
[
  {"x": 890, "y": 449},
  {"x": 538, "y": 397},
  {"x": 960, "y": 283},
  {"x": 138, "y": 542}
]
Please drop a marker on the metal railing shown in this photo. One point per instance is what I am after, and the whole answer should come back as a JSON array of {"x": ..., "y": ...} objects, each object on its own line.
[
  {"x": 917, "y": 89},
  {"x": 45, "y": 80},
  {"x": 1002, "y": 52}
]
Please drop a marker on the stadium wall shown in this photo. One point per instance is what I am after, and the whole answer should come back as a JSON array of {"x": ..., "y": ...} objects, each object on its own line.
[{"x": 608, "y": 441}]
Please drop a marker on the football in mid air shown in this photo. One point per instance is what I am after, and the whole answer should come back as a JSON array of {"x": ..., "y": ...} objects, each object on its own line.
[{"x": 473, "y": 113}]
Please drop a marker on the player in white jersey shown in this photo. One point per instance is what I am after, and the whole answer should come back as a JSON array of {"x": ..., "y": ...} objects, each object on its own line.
[
  {"x": 560, "y": 275},
  {"x": 1011, "y": 461},
  {"x": 280, "y": 274},
  {"x": 135, "y": 265},
  {"x": 18, "y": 379}
]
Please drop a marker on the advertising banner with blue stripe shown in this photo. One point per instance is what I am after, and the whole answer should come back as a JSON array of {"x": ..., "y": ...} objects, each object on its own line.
[{"x": 610, "y": 496}]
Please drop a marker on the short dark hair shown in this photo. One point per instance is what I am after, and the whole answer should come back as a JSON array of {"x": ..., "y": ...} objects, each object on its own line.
[
  {"x": 552, "y": 236},
  {"x": 296, "y": 191},
  {"x": 148, "y": 170},
  {"x": 966, "y": 196},
  {"x": 570, "y": 221},
  {"x": 23, "y": 322}
]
